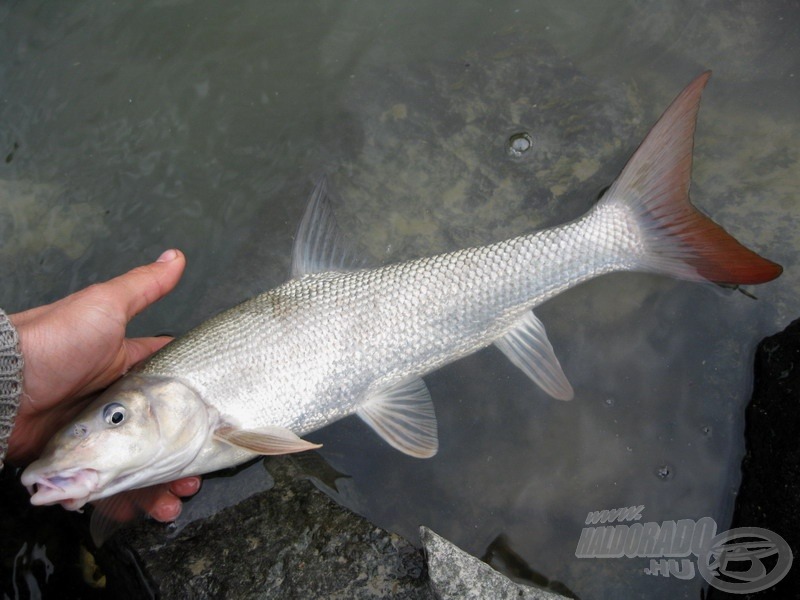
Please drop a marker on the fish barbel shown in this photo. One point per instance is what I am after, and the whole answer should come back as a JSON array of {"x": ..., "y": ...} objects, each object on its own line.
[{"x": 333, "y": 342}]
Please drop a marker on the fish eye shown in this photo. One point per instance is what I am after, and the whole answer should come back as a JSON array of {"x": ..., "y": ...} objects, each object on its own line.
[{"x": 114, "y": 413}]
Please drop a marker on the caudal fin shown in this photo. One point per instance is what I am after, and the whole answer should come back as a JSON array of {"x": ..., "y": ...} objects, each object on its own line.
[{"x": 679, "y": 239}]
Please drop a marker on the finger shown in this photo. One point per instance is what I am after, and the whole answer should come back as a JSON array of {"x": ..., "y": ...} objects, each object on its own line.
[
  {"x": 137, "y": 349},
  {"x": 166, "y": 506},
  {"x": 134, "y": 291},
  {"x": 188, "y": 486},
  {"x": 155, "y": 500}
]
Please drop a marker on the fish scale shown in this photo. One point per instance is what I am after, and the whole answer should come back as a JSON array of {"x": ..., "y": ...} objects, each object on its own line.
[{"x": 351, "y": 333}]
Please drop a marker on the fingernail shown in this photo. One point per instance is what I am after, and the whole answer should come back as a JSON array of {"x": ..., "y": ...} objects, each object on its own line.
[{"x": 167, "y": 256}]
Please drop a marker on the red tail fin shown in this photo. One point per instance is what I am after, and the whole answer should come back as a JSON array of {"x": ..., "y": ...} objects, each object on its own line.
[{"x": 680, "y": 240}]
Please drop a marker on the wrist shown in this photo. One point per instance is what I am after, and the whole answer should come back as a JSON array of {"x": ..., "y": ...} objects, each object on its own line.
[{"x": 11, "y": 364}]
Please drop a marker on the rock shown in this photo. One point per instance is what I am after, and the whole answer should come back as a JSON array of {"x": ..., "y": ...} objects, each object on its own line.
[
  {"x": 294, "y": 542},
  {"x": 288, "y": 542},
  {"x": 771, "y": 466},
  {"x": 456, "y": 575}
]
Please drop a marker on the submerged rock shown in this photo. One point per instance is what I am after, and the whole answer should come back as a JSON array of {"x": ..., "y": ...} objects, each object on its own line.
[
  {"x": 449, "y": 154},
  {"x": 456, "y": 575}
]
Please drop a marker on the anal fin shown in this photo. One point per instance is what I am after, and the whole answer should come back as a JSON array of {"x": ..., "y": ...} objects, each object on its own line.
[
  {"x": 528, "y": 348},
  {"x": 403, "y": 416}
]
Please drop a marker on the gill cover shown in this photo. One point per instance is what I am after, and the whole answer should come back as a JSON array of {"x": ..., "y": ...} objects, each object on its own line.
[{"x": 142, "y": 430}]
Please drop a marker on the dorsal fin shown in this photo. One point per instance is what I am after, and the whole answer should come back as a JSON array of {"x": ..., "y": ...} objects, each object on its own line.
[{"x": 319, "y": 245}]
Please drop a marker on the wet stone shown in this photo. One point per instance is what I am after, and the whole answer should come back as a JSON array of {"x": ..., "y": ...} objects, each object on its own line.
[
  {"x": 289, "y": 542},
  {"x": 292, "y": 541},
  {"x": 456, "y": 575},
  {"x": 771, "y": 466}
]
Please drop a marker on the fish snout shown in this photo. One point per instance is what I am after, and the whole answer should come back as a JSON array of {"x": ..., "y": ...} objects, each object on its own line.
[{"x": 70, "y": 489}]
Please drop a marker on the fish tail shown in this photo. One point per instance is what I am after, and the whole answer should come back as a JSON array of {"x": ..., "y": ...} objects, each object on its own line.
[{"x": 674, "y": 237}]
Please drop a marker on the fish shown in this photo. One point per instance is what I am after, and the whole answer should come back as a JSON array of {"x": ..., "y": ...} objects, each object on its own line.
[{"x": 339, "y": 339}]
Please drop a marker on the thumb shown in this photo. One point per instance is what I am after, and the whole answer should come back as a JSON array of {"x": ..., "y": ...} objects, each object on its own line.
[{"x": 137, "y": 289}]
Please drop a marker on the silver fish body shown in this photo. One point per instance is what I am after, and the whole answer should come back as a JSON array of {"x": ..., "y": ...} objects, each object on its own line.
[
  {"x": 333, "y": 342},
  {"x": 312, "y": 350}
]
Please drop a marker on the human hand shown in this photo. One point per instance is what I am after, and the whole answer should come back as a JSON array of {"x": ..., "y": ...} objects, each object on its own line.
[{"x": 77, "y": 346}]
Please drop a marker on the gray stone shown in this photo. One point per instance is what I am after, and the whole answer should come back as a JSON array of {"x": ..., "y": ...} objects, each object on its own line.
[
  {"x": 293, "y": 541},
  {"x": 289, "y": 542},
  {"x": 456, "y": 575}
]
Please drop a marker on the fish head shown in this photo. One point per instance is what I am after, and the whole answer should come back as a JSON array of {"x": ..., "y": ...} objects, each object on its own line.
[{"x": 141, "y": 431}]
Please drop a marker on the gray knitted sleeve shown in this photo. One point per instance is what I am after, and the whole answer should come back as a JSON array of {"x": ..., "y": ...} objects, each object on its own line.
[{"x": 10, "y": 381}]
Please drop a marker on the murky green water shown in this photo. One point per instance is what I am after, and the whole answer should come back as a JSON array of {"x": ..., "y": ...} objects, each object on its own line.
[{"x": 135, "y": 126}]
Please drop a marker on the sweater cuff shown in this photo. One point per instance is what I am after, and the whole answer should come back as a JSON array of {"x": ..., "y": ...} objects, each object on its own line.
[{"x": 10, "y": 381}]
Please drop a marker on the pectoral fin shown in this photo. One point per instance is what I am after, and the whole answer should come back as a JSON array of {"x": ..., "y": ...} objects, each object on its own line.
[
  {"x": 403, "y": 416},
  {"x": 529, "y": 349},
  {"x": 265, "y": 440},
  {"x": 109, "y": 514}
]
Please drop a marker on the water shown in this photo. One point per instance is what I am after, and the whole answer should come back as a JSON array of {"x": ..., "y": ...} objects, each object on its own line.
[{"x": 131, "y": 127}]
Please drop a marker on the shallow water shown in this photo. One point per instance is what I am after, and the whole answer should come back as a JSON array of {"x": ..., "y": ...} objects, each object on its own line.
[{"x": 137, "y": 126}]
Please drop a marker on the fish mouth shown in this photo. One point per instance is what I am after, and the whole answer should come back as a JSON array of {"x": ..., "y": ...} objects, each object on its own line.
[{"x": 71, "y": 489}]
